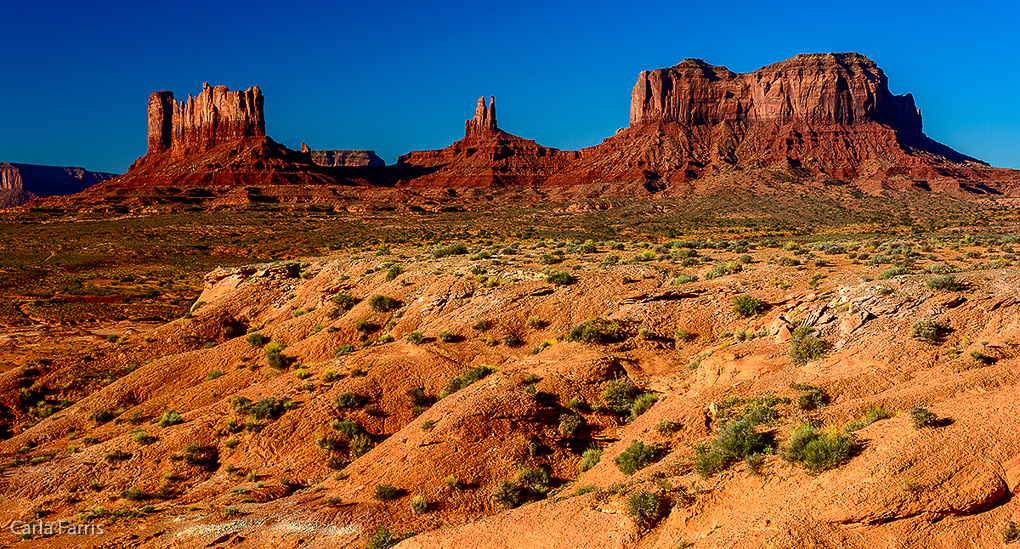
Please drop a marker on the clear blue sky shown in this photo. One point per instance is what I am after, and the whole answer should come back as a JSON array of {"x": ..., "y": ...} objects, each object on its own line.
[{"x": 402, "y": 76}]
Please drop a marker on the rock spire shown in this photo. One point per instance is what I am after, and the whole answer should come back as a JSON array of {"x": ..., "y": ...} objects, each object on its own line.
[{"x": 484, "y": 122}]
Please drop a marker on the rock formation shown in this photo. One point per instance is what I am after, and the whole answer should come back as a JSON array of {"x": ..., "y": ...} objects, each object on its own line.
[
  {"x": 484, "y": 123},
  {"x": 20, "y": 183},
  {"x": 350, "y": 158},
  {"x": 214, "y": 117},
  {"x": 825, "y": 89}
]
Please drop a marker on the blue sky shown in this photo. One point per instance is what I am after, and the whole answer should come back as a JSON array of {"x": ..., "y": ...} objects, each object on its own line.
[{"x": 401, "y": 76}]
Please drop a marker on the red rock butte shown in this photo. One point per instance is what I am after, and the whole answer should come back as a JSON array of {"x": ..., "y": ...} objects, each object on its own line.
[{"x": 694, "y": 128}]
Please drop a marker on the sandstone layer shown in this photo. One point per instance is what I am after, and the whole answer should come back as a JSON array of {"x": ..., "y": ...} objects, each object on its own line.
[{"x": 348, "y": 158}]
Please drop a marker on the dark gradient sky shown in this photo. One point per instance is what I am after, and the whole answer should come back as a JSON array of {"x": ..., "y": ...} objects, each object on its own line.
[{"x": 401, "y": 76}]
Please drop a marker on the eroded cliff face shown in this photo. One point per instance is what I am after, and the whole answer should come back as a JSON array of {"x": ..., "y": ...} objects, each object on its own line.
[
  {"x": 20, "y": 183},
  {"x": 820, "y": 89},
  {"x": 211, "y": 118}
]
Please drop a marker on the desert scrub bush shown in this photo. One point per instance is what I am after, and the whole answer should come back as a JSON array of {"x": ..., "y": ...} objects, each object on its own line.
[
  {"x": 143, "y": 438},
  {"x": 723, "y": 269},
  {"x": 809, "y": 397},
  {"x": 385, "y": 492},
  {"x": 683, "y": 278},
  {"x": 213, "y": 374},
  {"x": 393, "y": 272},
  {"x": 945, "y": 284},
  {"x": 170, "y": 418},
  {"x": 509, "y": 495},
  {"x": 453, "y": 248},
  {"x": 548, "y": 259},
  {"x": 256, "y": 339},
  {"x": 268, "y": 408},
  {"x": 736, "y": 440},
  {"x": 1010, "y": 532},
  {"x": 383, "y": 538},
  {"x": 805, "y": 347},
  {"x": 596, "y": 331},
  {"x": 560, "y": 278},
  {"x": 419, "y": 504},
  {"x": 646, "y": 508},
  {"x": 414, "y": 338},
  {"x": 535, "y": 479},
  {"x": 570, "y": 424},
  {"x": 329, "y": 376},
  {"x": 642, "y": 404},
  {"x": 619, "y": 395},
  {"x": 920, "y": 417},
  {"x": 204, "y": 456},
  {"x": 745, "y": 305},
  {"x": 535, "y": 323},
  {"x": 815, "y": 449},
  {"x": 787, "y": 261},
  {"x": 382, "y": 303},
  {"x": 342, "y": 302},
  {"x": 889, "y": 273},
  {"x": 457, "y": 383},
  {"x": 873, "y": 414},
  {"x": 928, "y": 331},
  {"x": 589, "y": 458},
  {"x": 940, "y": 268},
  {"x": 134, "y": 494},
  {"x": 666, "y": 427},
  {"x": 348, "y": 400},
  {"x": 446, "y": 336},
  {"x": 637, "y": 456},
  {"x": 275, "y": 357}
]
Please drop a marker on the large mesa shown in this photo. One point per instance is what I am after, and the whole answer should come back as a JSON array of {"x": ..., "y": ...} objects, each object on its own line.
[{"x": 198, "y": 124}]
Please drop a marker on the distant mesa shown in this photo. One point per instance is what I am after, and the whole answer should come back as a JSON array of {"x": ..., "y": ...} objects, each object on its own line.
[
  {"x": 20, "y": 183},
  {"x": 695, "y": 129},
  {"x": 214, "y": 117},
  {"x": 353, "y": 158}
]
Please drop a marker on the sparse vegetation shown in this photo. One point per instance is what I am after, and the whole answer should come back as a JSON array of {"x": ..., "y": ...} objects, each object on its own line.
[
  {"x": 457, "y": 383},
  {"x": 637, "y": 456},
  {"x": 382, "y": 303},
  {"x": 745, "y": 305},
  {"x": 928, "y": 331},
  {"x": 596, "y": 331},
  {"x": 816, "y": 449},
  {"x": 805, "y": 347},
  {"x": 645, "y": 508},
  {"x": 921, "y": 418},
  {"x": 945, "y": 284}
]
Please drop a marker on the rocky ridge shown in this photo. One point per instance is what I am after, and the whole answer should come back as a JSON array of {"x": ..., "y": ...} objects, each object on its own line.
[{"x": 20, "y": 183}]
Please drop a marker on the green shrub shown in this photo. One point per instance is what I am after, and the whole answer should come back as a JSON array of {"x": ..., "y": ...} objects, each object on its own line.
[
  {"x": 457, "y": 383},
  {"x": 213, "y": 374},
  {"x": 805, "y": 347},
  {"x": 359, "y": 445},
  {"x": 619, "y": 395},
  {"x": 446, "y": 336},
  {"x": 873, "y": 414},
  {"x": 817, "y": 450},
  {"x": 810, "y": 397},
  {"x": 597, "y": 331},
  {"x": 920, "y": 417},
  {"x": 453, "y": 248},
  {"x": 256, "y": 339},
  {"x": 509, "y": 495},
  {"x": 533, "y": 478},
  {"x": 560, "y": 278},
  {"x": 683, "y": 278},
  {"x": 347, "y": 400},
  {"x": 268, "y": 408},
  {"x": 419, "y": 504},
  {"x": 589, "y": 458},
  {"x": 143, "y": 438},
  {"x": 382, "y": 303},
  {"x": 275, "y": 356},
  {"x": 745, "y": 305},
  {"x": 1010, "y": 532},
  {"x": 945, "y": 284},
  {"x": 329, "y": 376},
  {"x": 889, "y": 273},
  {"x": 645, "y": 508},
  {"x": 642, "y": 404},
  {"x": 723, "y": 269},
  {"x": 569, "y": 424},
  {"x": 170, "y": 418},
  {"x": 383, "y": 538},
  {"x": 394, "y": 272},
  {"x": 386, "y": 492},
  {"x": 637, "y": 456},
  {"x": 206, "y": 457},
  {"x": 736, "y": 441},
  {"x": 414, "y": 338},
  {"x": 927, "y": 331},
  {"x": 134, "y": 494}
]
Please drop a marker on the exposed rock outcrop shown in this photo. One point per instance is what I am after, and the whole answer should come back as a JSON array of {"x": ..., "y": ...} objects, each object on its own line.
[
  {"x": 351, "y": 158},
  {"x": 214, "y": 117},
  {"x": 484, "y": 123},
  {"x": 20, "y": 183},
  {"x": 832, "y": 88}
]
